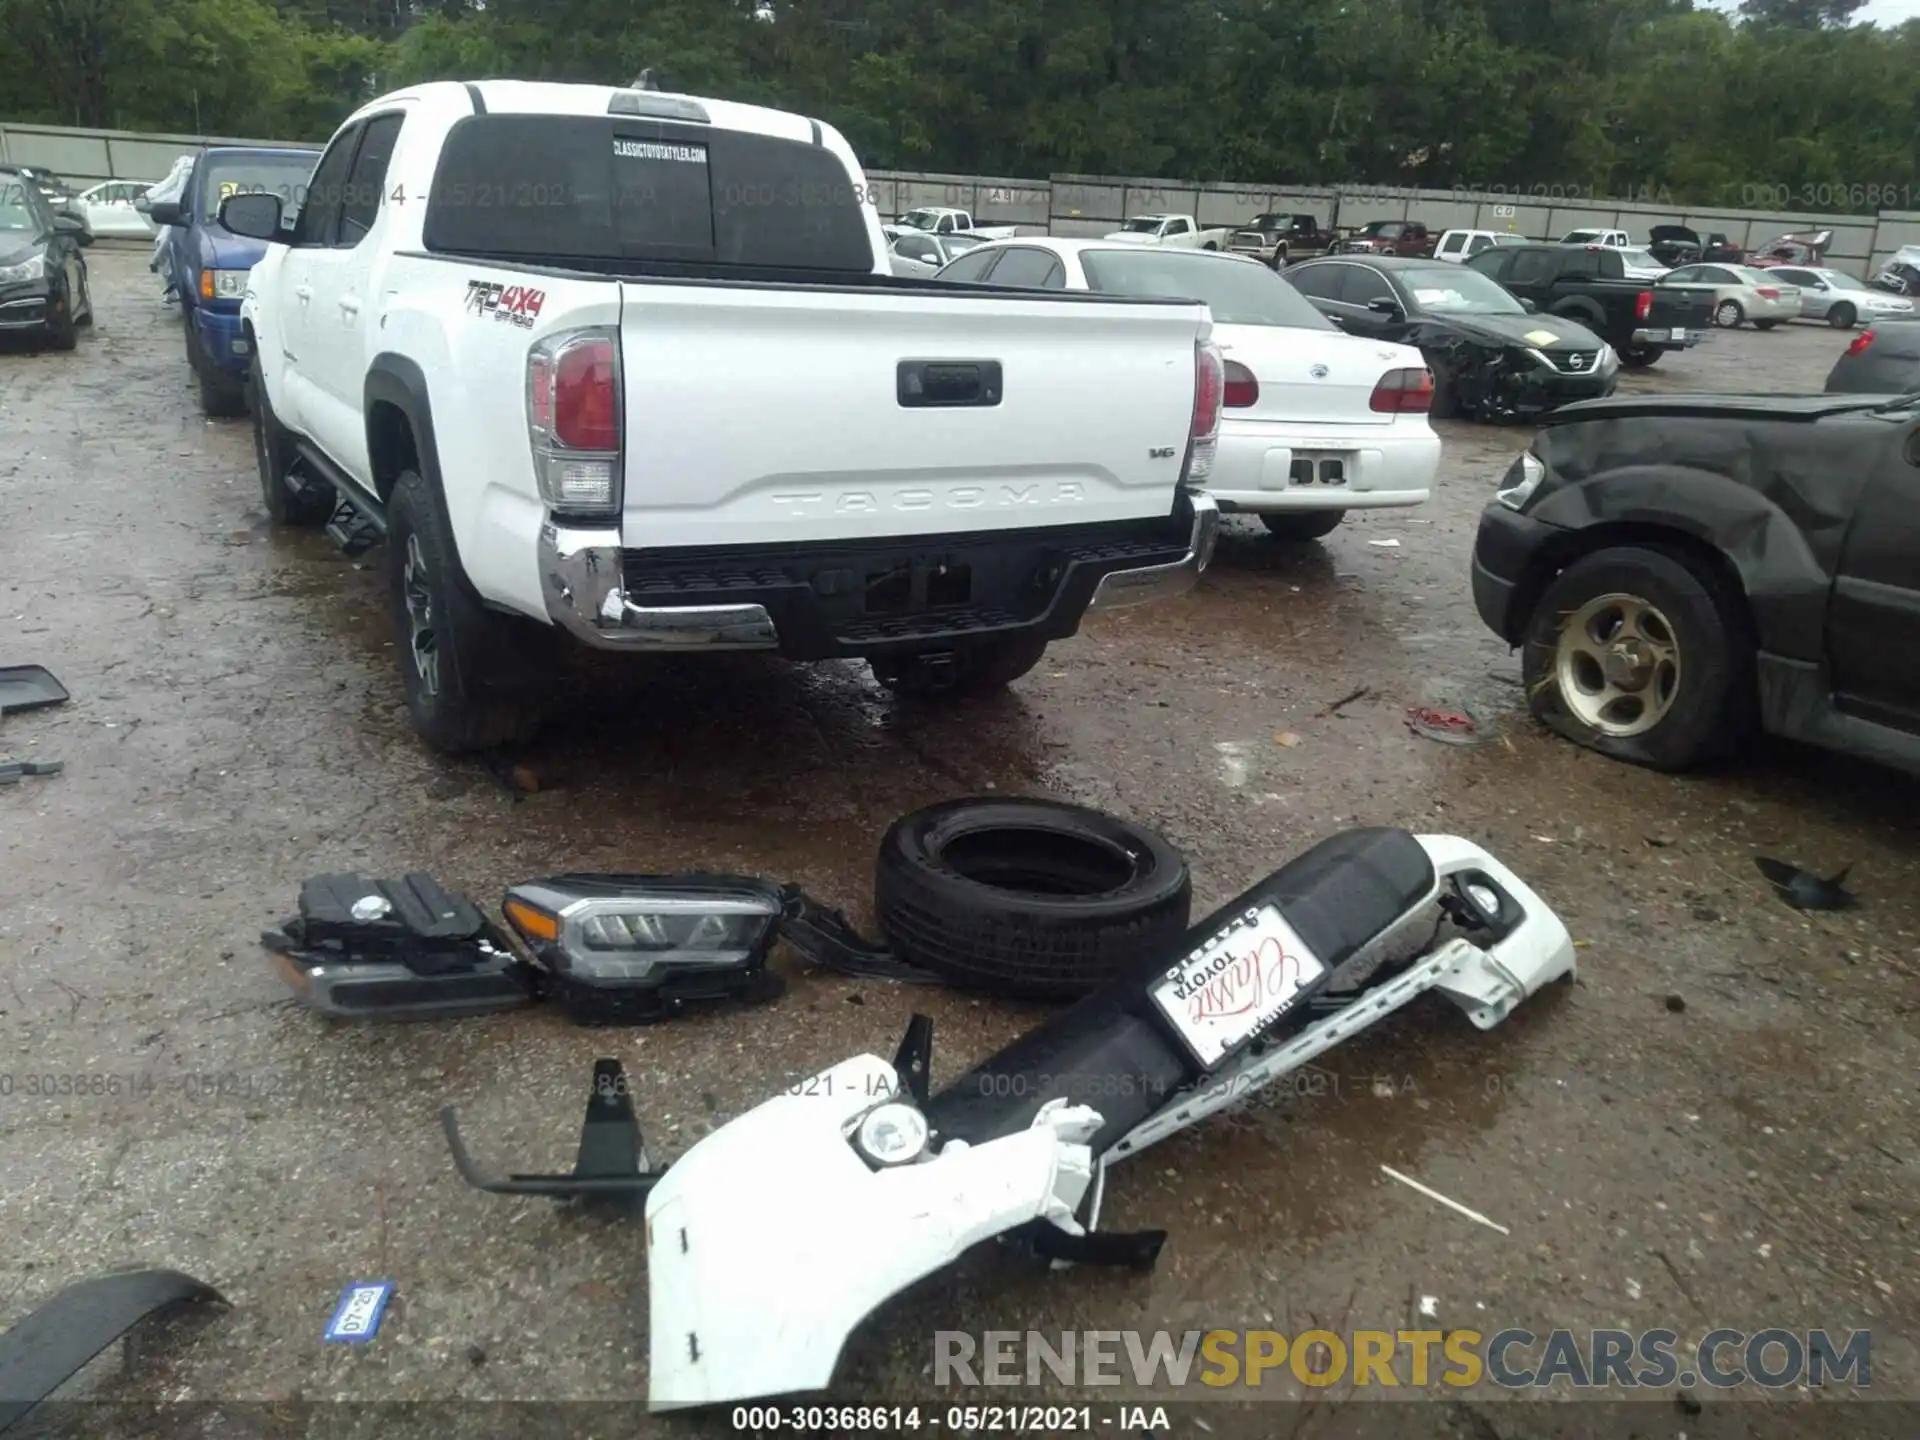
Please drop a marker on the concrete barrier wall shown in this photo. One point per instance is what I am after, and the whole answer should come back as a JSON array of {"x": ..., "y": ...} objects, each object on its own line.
[
  {"x": 84, "y": 157},
  {"x": 1091, "y": 205}
]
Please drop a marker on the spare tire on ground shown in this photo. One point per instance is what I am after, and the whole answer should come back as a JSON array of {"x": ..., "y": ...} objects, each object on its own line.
[{"x": 1029, "y": 898}]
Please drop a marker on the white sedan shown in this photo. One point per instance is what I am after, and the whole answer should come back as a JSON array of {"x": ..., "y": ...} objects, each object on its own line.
[
  {"x": 1316, "y": 423},
  {"x": 108, "y": 207}
]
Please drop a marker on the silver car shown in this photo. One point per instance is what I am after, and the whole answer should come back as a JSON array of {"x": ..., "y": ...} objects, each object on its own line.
[
  {"x": 925, "y": 253},
  {"x": 1839, "y": 298},
  {"x": 1741, "y": 294}
]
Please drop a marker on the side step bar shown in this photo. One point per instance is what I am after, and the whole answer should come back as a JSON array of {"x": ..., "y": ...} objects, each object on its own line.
[{"x": 359, "y": 522}]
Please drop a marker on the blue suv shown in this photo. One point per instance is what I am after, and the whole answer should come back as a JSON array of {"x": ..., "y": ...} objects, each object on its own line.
[{"x": 207, "y": 264}]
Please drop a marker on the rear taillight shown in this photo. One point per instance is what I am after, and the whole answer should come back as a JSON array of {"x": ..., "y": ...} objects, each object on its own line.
[
  {"x": 1209, "y": 387},
  {"x": 1860, "y": 342},
  {"x": 573, "y": 420},
  {"x": 1769, "y": 292},
  {"x": 1643, "y": 306},
  {"x": 1242, "y": 389},
  {"x": 586, "y": 414},
  {"x": 1403, "y": 392},
  {"x": 1209, "y": 392}
]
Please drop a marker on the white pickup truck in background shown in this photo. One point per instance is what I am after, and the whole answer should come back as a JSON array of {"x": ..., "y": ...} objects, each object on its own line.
[
  {"x": 944, "y": 220},
  {"x": 1180, "y": 231},
  {"x": 630, "y": 367}
]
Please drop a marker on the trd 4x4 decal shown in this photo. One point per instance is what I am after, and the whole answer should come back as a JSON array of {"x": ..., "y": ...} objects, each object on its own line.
[{"x": 515, "y": 304}]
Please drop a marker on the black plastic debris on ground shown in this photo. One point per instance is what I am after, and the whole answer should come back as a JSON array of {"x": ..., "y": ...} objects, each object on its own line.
[
  {"x": 1803, "y": 890},
  {"x": 12, "y": 772},
  {"x": 611, "y": 1167},
  {"x": 51, "y": 1345},
  {"x": 29, "y": 687}
]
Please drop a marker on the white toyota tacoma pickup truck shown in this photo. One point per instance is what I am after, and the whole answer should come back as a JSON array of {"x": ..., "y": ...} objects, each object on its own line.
[{"x": 631, "y": 367}]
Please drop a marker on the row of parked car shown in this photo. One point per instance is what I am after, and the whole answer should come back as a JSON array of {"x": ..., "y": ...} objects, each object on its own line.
[{"x": 1645, "y": 554}]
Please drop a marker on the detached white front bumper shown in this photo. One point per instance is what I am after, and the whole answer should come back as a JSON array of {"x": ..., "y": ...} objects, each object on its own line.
[{"x": 772, "y": 1239}]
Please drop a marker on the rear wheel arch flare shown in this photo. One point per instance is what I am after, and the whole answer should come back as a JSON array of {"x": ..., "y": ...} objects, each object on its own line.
[{"x": 399, "y": 420}]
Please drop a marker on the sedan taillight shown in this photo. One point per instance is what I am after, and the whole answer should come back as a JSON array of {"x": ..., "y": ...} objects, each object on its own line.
[
  {"x": 1769, "y": 292},
  {"x": 1242, "y": 388},
  {"x": 1403, "y": 392},
  {"x": 1860, "y": 342}
]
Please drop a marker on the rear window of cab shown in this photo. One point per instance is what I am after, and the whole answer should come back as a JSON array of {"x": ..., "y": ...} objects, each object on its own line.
[{"x": 619, "y": 189}]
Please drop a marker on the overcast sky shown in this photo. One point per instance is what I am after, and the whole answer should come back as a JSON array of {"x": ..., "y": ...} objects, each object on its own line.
[{"x": 1882, "y": 12}]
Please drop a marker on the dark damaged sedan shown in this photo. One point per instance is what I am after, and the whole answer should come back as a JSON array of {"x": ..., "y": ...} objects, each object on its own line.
[
  {"x": 1492, "y": 356},
  {"x": 43, "y": 274},
  {"x": 1682, "y": 571}
]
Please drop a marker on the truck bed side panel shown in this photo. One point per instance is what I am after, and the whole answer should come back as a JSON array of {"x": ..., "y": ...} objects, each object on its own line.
[{"x": 760, "y": 414}]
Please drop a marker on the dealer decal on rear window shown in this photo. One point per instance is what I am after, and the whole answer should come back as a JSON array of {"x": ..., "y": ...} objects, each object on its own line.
[
  {"x": 656, "y": 150},
  {"x": 514, "y": 304}
]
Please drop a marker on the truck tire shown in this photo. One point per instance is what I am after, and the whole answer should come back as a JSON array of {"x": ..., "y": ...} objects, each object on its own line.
[
  {"x": 1303, "y": 524},
  {"x": 979, "y": 670},
  {"x": 1639, "y": 357},
  {"x": 1029, "y": 898},
  {"x": 1685, "y": 690},
  {"x": 221, "y": 396},
  {"x": 309, "y": 504},
  {"x": 450, "y": 647}
]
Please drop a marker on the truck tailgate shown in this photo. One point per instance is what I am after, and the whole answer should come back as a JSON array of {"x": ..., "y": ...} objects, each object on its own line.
[
  {"x": 1682, "y": 307},
  {"x": 760, "y": 413}
]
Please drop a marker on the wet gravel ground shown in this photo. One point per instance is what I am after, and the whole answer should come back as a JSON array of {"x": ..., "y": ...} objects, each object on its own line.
[{"x": 1716, "y": 1126}]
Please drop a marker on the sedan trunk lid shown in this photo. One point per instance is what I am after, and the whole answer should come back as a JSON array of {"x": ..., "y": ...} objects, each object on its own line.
[{"x": 1319, "y": 377}]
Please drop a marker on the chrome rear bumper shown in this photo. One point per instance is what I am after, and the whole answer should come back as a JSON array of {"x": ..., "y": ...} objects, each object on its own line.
[{"x": 582, "y": 576}]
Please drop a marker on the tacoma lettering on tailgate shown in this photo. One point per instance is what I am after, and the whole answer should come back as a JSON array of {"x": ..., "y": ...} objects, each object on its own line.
[{"x": 951, "y": 497}]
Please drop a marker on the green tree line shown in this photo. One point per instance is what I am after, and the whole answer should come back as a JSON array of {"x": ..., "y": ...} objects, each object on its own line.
[{"x": 1786, "y": 100}]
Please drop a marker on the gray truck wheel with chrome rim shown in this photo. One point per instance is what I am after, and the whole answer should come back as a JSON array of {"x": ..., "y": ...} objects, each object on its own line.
[{"x": 1642, "y": 654}]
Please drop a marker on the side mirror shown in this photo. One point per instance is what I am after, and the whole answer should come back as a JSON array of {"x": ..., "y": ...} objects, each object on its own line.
[
  {"x": 1528, "y": 306},
  {"x": 1386, "y": 307},
  {"x": 65, "y": 222},
  {"x": 256, "y": 216},
  {"x": 165, "y": 212}
]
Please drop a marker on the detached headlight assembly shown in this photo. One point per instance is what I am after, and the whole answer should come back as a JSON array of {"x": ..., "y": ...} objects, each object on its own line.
[
  {"x": 624, "y": 949},
  {"x": 34, "y": 267},
  {"x": 1522, "y": 480}
]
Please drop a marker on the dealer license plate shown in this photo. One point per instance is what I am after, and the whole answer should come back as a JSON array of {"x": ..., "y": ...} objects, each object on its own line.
[
  {"x": 1679, "y": 334},
  {"x": 1237, "y": 984}
]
